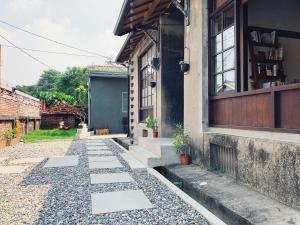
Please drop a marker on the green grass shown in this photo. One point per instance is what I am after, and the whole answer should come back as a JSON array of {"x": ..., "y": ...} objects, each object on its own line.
[{"x": 44, "y": 135}]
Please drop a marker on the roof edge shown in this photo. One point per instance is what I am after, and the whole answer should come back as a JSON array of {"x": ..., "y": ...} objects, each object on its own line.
[
  {"x": 123, "y": 47},
  {"x": 123, "y": 13}
]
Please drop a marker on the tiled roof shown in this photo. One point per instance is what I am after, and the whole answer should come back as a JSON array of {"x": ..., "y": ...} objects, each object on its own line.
[{"x": 107, "y": 68}]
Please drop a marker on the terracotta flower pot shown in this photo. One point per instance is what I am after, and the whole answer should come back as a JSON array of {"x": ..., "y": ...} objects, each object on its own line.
[
  {"x": 155, "y": 134},
  {"x": 185, "y": 159}
]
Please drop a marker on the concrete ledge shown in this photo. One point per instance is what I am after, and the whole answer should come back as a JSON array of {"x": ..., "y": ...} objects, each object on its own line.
[{"x": 233, "y": 203}]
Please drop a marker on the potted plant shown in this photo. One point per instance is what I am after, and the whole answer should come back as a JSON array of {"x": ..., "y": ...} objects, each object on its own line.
[
  {"x": 2, "y": 140},
  {"x": 184, "y": 66},
  {"x": 182, "y": 142},
  {"x": 10, "y": 136},
  {"x": 153, "y": 125}
]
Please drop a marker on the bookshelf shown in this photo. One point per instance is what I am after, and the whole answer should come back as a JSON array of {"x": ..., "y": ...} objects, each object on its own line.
[{"x": 266, "y": 58}]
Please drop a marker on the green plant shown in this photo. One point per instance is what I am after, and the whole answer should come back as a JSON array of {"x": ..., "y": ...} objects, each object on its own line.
[
  {"x": 10, "y": 133},
  {"x": 152, "y": 123},
  {"x": 182, "y": 140}
]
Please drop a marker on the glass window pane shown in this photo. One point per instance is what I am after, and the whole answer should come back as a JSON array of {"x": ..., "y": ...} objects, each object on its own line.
[
  {"x": 218, "y": 83},
  {"x": 228, "y": 38},
  {"x": 228, "y": 17},
  {"x": 229, "y": 80},
  {"x": 228, "y": 59},
  {"x": 218, "y": 63},
  {"x": 217, "y": 44},
  {"x": 217, "y": 24}
]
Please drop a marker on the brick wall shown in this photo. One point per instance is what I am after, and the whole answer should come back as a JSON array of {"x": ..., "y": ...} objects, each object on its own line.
[{"x": 17, "y": 105}]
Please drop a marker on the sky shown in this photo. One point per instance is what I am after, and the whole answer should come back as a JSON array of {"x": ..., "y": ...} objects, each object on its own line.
[{"x": 85, "y": 24}]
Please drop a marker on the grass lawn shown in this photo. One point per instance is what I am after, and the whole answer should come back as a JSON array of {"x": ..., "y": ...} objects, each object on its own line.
[{"x": 43, "y": 135}]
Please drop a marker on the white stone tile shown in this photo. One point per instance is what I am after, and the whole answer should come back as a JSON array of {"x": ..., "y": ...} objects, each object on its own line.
[
  {"x": 26, "y": 160},
  {"x": 97, "y": 148},
  {"x": 12, "y": 169},
  {"x": 132, "y": 162},
  {"x": 100, "y": 152},
  {"x": 107, "y": 178},
  {"x": 64, "y": 161},
  {"x": 103, "y": 162},
  {"x": 95, "y": 144},
  {"x": 119, "y": 201},
  {"x": 2, "y": 159}
]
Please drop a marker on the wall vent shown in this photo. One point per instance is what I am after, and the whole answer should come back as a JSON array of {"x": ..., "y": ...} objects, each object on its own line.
[{"x": 223, "y": 159}]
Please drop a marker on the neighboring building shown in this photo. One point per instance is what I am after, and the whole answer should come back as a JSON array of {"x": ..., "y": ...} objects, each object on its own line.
[
  {"x": 108, "y": 98},
  {"x": 241, "y": 111},
  {"x": 16, "y": 105}
]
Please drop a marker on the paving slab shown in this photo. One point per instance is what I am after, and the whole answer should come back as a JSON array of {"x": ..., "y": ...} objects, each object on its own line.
[
  {"x": 108, "y": 178},
  {"x": 12, "y": 169},
  {"x": 100, "y": 152},
  {"x": 64, "y": 161},
  {"x": 103, "y": 162},
  {"x": 95, "y": 144},
  {"x": 26, "y": 160},
  {"x": 2, "y": 159},
  {"x": 119, "y": 201},
  {"x": 97, "y": 148}
]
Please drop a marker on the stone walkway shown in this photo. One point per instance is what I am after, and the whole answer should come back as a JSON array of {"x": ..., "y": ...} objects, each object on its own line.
[{"x": 84, "y": 182}]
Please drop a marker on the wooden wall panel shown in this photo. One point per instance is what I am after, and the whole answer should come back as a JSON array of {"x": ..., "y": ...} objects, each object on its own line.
[
  {"x": 289, "y": 109},
  {"x": 242, "y": 111}
]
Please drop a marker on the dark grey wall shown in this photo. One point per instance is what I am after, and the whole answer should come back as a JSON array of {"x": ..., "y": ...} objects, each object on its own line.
[
  {"x": 172, "y": 51},
  {"x": 106, "y": 103}
]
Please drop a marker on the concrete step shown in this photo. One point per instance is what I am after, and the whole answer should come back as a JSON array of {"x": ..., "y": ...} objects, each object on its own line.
[
  {"x": 162, "y": 147},
  {"x": 148, "y": 158}
]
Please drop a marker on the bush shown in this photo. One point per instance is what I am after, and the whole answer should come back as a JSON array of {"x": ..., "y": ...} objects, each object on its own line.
[{"x": 10, "y": 133}]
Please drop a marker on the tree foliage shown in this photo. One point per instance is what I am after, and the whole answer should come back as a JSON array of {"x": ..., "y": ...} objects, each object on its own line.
[{"x": 61, "y": 87}]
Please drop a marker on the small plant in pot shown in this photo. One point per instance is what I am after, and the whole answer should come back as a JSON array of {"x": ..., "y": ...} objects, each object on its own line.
[
  {"x": 153, "y": 125},
  {"x": 184, "y": 66},
  {"x": 182, "y": 142}
]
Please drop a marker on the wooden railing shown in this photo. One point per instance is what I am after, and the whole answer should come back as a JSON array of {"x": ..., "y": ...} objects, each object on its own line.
[{"x": 272, "y": 109}]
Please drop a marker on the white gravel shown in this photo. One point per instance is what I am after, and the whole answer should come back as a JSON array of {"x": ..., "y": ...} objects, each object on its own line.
[{"x": 63, "y": 195}]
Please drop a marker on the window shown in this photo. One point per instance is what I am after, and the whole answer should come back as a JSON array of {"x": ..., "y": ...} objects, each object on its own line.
[
  {"x": 223, "y": 47},
  {"x": 124, "y": 102},
  {"x": 147, "y": 74}
]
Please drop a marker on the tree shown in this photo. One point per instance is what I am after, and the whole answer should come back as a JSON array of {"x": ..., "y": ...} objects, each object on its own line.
[{"x": 49, "y": 80}]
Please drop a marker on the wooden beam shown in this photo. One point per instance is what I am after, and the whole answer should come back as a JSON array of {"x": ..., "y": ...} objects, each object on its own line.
[{"x": 151, "y": 9}]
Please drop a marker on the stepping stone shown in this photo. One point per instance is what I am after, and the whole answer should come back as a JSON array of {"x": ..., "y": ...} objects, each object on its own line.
[
  {"x": 2, "y": 159},
  {"x": 104, "y": 162},
  {"x": 117, "y": 201},
  {"x": 64, "y": 161},
  {"x": 26, "y": 160},
  {"x": 98, "y": 148},
  {"x": 108, "y": 178},
  {"x": 100, "y": 152},
  {"x": 132, "y": 162},
  {"x": 12, "y": 169},
  {"x": 93, "y": 144}
]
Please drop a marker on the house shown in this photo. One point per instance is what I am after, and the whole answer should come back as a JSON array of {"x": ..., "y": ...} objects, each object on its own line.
[
  {"x": 239, "y": 100},
  {"x": 108, "y": 98}
]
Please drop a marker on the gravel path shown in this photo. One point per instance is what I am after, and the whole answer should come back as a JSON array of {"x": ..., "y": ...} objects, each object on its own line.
[{"x": 63, "y": 195}]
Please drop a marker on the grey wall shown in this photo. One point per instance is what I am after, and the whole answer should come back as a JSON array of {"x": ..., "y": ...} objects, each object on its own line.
[
  {"x": 172, "y": 48},
  {"x": 106, "y": 103}
]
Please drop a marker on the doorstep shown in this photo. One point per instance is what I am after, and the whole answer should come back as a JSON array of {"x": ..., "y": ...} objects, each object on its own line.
[{"x": 234, "y": 203}]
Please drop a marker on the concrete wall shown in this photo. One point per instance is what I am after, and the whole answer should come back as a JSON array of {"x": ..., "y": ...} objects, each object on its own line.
[
  {"x": 168, "y": 93},
  {"x": 196, "y": 80},
  {"x": 172, "y": 47},
  {"x": 106, "y": 103}
]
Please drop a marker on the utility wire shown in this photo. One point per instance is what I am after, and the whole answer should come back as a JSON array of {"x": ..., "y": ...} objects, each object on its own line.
[
  {"x": 51, "y": 52},
  {"x": 57, "y": 42},
  {"x": 26, "y": 53}
]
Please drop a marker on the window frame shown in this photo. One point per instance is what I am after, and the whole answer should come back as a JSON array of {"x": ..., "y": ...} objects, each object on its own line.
[
  {"x": 141, "y": 68},
  {"x": 124, "y": 108},
  {"x": 212, "y": 13}
]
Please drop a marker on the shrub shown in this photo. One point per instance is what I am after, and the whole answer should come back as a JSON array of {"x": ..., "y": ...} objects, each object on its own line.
[
  {"x": 182, "y": 140},
  {"x": 10, "y": 133}
]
